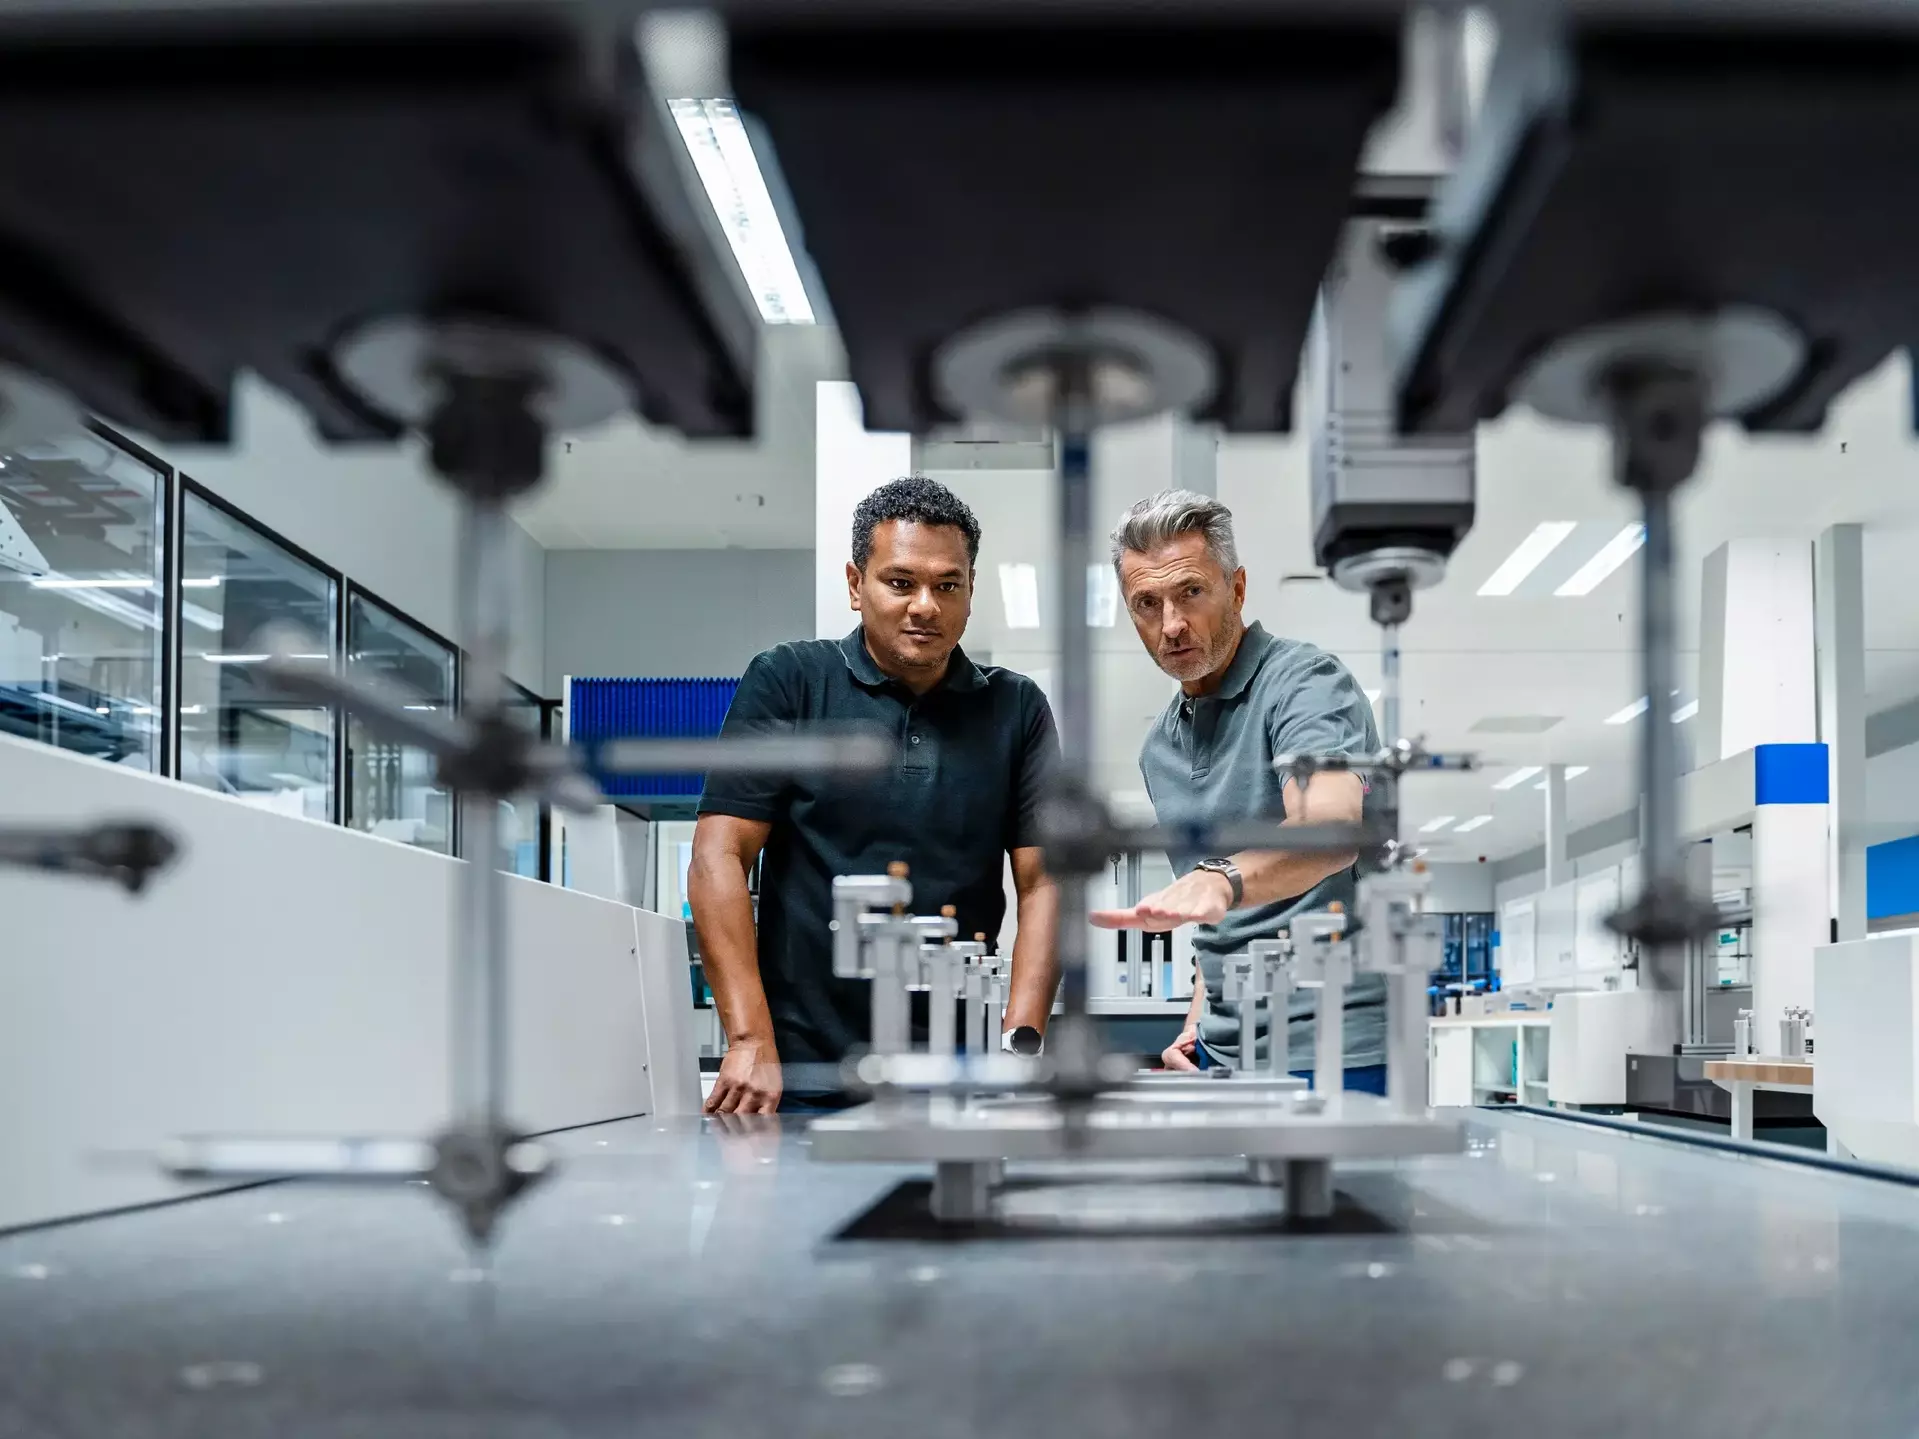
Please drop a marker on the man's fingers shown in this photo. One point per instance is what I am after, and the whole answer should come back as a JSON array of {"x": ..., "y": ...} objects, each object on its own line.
[
  {"x": 1175, "y": 1058},
  {"x": 721, "y": 1088},
  {"x": 1117, "y": 918}
]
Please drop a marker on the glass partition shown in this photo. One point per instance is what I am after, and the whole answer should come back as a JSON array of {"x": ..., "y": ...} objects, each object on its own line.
[
  {"x": 240, "y": 733},
  {"x": 522, "y": 834},
  {"x": 391, "y": 790},
  {"x": 81, "y": 576}
]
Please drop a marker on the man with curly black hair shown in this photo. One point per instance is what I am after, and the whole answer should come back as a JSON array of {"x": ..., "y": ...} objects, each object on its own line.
[{"x": 975, "y": 746}]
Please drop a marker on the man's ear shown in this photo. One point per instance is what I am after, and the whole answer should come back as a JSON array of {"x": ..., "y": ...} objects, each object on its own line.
[
  {"x": 853, "y": 586},
  {"x": 1239, "y": 589}
]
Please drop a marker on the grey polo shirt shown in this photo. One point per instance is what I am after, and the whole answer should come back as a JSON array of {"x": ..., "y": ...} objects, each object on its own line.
[{"x": 1210, "y": 759}]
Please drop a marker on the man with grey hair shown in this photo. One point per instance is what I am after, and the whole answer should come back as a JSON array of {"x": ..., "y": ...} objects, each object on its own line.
[{"x": 1245, "y": 697}]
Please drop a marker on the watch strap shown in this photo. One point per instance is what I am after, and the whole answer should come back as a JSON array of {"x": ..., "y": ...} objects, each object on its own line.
[{"x": 1230, "y": 871}]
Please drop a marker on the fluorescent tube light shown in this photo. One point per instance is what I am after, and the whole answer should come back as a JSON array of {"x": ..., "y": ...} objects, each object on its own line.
[
  {"x": 1019, "y": 592},
  {"x": 1433, "y": 825},
  {"x": 1573, "y": 771},
  {"x": 1102, "y": 596},
  {"x": 1620, "y": 548},
  {"x": 1474, "y": 823},
  {"x": 211, "y": 582},
  {"x": 1630, "y": 713},
  {"x": 1531, "y": 553},
  {"x": 235, "y": 659},
  {"x": 723, "y": 155},
  {"x": 1518, "y": 777},
  {"x": 1685, "y": 712}
]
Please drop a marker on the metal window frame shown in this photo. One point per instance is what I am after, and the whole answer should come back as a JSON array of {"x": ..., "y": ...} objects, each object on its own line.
[
  {"x": 350, "y": 590},
  {"x": 167, "y": 759},
  {"x": 189, "y": 488}
]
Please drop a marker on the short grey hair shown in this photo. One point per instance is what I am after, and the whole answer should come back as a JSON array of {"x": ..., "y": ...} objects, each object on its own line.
[{"x": 1164, "y": 517}]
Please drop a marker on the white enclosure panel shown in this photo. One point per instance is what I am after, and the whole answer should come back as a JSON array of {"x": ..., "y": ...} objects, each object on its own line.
[
  {"x": 1518, "y": 943},
  {"x": 1596, "y": 946},
  {"x": 672, "y": 1050},
  {"x": 1557, "y": 932},
  {"x": 286, "y": 977}
]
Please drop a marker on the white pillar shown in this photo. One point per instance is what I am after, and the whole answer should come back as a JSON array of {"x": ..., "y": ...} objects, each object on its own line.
[
  {"x": 850, "y": 465},
  {"x": 1558, "y": 865},
  {"x": 1756, "y": 632},
  {"x": 1790, "y": 893},
  {"x": 1839, "y": 606}
]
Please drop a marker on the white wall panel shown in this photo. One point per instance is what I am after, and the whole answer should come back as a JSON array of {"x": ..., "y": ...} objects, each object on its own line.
[{"x": 286, "y": 977}]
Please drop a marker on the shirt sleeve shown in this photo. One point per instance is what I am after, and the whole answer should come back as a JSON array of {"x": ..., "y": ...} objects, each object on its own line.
[
  {"x": 1322, "y": 710},
  {"x": 1038, "y": 760},
  {"x": 767, "y": 702}
]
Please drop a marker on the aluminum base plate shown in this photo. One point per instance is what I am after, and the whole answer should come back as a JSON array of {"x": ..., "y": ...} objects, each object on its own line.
[{"x": 1354, "y": 1126}]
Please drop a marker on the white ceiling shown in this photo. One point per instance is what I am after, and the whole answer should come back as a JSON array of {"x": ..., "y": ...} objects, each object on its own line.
[{"x": 1466, "y": 658}]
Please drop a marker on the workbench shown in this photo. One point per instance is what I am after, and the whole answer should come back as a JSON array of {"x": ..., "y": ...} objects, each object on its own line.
[
  {"x": 1742, "y": 1077},
  {"x": 1555, "y": 1278}
]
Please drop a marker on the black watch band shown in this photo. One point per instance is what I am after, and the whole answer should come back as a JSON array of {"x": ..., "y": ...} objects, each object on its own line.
[{"x": 1232, "y": 875}]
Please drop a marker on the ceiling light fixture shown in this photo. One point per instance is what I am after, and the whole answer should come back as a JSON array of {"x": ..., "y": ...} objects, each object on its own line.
[
  {"x": 1530, "y": 554},
  {"x": 1620, "y": 548},
  {"x": 1019, "y": 593},
  {"x": 1476, "y": 822},
  {"x": 1518, "y": 777},
  {"x": 1630, "y": 713},
  {"x": 211, "y": 582},
  {"x": 1432, "y": 826},
  {"x": 214, "y": 659},
  {"x": 722, "y": 153}
]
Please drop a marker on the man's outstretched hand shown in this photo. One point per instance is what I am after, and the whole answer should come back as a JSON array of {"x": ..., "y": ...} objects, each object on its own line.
[
  {"x": 749, "y": 1082},
  {"x": 1201, "y": 897}
]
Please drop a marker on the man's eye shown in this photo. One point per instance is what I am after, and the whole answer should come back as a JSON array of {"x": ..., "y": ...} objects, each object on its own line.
[
  {"x": 899, "y": 584},
  {"x": 1193, "y": 592},
  {"x": 948, "y": 588}
]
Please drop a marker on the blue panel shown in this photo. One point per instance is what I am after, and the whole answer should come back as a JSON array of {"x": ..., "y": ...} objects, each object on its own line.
[
  {"x": 602, "y": 710},
  {"x": 1892, "y": 878},
  {"x": 1789, "y": 774}
]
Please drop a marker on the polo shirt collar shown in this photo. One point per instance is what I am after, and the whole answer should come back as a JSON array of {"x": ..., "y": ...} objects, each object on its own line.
[
  {"x": 1253, "y": 646},
  {"x": 961, "y": 672}
]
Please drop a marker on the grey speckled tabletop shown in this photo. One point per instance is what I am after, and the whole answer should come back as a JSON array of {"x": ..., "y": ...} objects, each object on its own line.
[{"x": 1554, "y": 1280}]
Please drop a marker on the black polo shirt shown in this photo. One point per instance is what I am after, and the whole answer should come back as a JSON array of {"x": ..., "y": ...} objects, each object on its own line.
[{"x": 974, "y": 753}]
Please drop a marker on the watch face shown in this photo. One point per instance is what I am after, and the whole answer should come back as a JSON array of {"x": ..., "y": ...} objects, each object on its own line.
[{"x": 1025, "y": 1040}]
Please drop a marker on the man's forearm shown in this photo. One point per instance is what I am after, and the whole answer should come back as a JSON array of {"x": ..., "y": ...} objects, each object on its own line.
[
  {"x": 1197, "y": 1009},
  {"x": 1035, "y": 977},
  {"x": 729, "y": 948},
  {"x": 1270, "y": 876}
]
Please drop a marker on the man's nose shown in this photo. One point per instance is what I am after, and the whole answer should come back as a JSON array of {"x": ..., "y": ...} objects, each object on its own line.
[{"x": 923, "y": 602}]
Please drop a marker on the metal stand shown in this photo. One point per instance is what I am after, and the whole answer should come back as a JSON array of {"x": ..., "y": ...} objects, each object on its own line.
[
  {"x": 487, "y": 395},
  {"x": 963, "y": 1190},
  {"x": 129, "y": 855},
  {"x": 1657, "y": 415},
  {"x": 1309, "y": 1189}
]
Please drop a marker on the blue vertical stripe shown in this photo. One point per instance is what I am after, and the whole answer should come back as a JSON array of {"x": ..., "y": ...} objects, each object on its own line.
[{"x": 600, "y": 710}]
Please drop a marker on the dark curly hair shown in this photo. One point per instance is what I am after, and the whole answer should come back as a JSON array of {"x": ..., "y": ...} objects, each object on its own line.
[{"x": 916, "y": 498}]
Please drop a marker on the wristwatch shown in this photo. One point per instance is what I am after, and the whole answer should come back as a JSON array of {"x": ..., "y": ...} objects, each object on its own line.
[
  {"x": 1022, "y": 1040},
  {"x": 1233, "y": 877}
]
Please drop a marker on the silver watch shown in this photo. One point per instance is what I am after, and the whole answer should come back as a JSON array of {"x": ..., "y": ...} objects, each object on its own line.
[{"x": 1233, "y": 877}]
